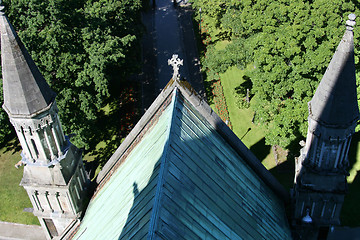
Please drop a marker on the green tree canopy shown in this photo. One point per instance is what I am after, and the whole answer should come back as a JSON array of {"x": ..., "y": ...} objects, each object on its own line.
[
  {"x": 288, "y": 45},
  {"x": 84, "y": 48}
]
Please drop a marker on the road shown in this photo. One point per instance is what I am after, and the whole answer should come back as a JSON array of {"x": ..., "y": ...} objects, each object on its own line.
[{"x": 169, "y": 31}]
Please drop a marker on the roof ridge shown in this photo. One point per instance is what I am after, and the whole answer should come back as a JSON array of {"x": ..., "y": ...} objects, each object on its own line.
[
  {"x": 163, "y": 168},
  {"x": 185, "y": 89}
]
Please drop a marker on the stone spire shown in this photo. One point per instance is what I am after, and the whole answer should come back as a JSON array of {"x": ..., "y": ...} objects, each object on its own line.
[
  {"x": 335, "y": 100},
  {"x": 25, "y": 90},
  {"x": 322, "y": 167},
  {"x": 54, "y": 175}
]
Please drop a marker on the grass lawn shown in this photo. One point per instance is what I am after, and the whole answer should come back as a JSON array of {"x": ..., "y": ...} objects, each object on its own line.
[
  {"x": 13, "y": 197},
  {"x": 251, "y": 135}
]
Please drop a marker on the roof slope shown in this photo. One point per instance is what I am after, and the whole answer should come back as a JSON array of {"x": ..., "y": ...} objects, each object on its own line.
[
  {"x": 176, "y": 177},
  {"x": 25, "y": 90},
  {"x": 127, "y": 198},
  {"x": 208, "y": 190},
  {"x": 335, "y": 100}
]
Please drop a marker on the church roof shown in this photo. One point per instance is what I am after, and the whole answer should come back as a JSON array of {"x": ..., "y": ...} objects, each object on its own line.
[
  {"x": 25, "y": 90},
  {"x": 335, "y": 100},
  {"x": 182, "y": 174}
]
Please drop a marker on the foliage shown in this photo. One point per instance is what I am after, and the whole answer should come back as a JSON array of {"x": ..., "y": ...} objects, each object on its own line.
[
  {"x": 84, "y": 49},
  {"x": 241, "y": 102},
  {"x": 4, "y": 120},
  {"x": 287, "y": 44},
  {"x": 211, "y": 15},
  {"x": 243, "y": 94},
  {"x": 112, "y": 128}
]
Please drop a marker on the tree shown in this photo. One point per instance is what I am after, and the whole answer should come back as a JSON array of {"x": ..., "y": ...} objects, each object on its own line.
[
  {"x": 211, "y": 17},
  {"x": 83, "y": 48},
  {"x": 289, "y": 45}
]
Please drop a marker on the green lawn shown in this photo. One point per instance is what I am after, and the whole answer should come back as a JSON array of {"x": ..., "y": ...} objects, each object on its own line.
[
  {"x": 13, "y": 197},
  {"x": 251, "y": 135}
]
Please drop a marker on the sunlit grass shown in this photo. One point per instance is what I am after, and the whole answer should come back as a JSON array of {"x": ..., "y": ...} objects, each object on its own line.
[
  {"x": 250, "y": 134},
  {"x": 13, "y": 197}
]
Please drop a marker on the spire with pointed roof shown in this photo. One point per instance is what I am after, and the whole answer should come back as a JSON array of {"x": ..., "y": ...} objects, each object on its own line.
[
  {"x": 335, "y": 100},
  {"x": 54, "y": 175},
  {"x": 25, "y": 90},
  {"x": 321, "y": 169}
]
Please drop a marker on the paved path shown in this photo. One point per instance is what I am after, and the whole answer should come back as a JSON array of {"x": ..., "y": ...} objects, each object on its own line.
[
  {"x": 169, "y": 31},
  {"x": 16, "y": 231}
]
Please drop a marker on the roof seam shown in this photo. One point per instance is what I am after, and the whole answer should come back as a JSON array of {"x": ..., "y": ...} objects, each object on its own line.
[{"x": 163, "y": 167}]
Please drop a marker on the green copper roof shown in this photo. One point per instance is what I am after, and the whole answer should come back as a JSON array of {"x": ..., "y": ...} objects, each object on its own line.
[
  {"x": 127, "y": 198},
  {"x": 180, "y": 179}
]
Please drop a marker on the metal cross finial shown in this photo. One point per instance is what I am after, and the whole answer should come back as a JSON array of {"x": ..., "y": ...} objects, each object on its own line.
[
  {"x": 351, "y": 22},
  {"x": 175, "y": 62}
]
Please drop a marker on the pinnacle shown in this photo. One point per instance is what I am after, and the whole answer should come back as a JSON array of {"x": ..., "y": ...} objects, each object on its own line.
[
  {"x": 335, "y": 100},
  {"x": 25, "y": 90},
  {"x": 351, "y": 22}
]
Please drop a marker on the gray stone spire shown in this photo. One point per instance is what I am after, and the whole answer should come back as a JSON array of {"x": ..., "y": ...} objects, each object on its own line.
[
  {"x": 335, "y": 100},
  {"x": 322, "y": 167},
  {"x": 25, "y": 90},
  {"x": 54, "y": 174}
]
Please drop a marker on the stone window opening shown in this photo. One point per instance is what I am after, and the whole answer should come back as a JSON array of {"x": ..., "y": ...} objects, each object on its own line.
[{"x": 35, "y": 148}]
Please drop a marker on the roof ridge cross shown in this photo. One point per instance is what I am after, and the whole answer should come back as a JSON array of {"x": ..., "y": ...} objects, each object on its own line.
[{"x": 175, "y": 62}]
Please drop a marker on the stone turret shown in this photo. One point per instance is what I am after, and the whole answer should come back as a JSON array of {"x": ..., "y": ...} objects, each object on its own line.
[
  {"x": 321, "y": 169},
  {"x": 54, "y": 175}
]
